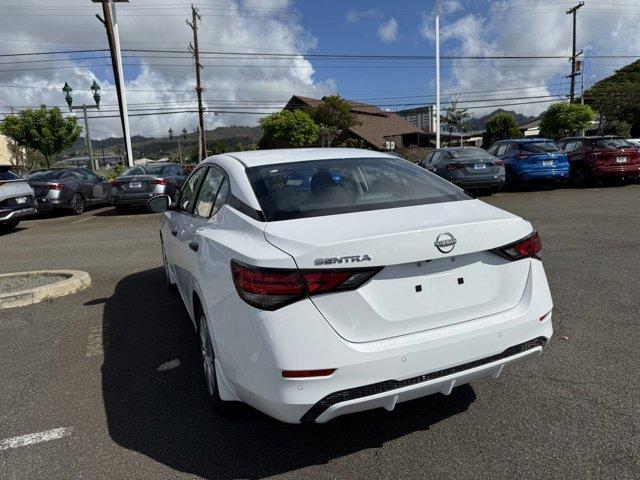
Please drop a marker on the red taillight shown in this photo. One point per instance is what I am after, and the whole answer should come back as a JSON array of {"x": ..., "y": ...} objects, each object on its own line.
[
  {"x": 455, "y": 166},
  {"x": 530, "y": 247},
  {"x": 307, "y": 373},
  {"x": 54, "y": 186},
  {"x": 522, "y": 155},
  {"x": 159, "y": 181},
  {"x": 498, "y": 163},
  {"x": 270, "y": 289}
]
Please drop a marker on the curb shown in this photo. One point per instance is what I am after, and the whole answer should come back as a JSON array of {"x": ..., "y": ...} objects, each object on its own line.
[{"x": 76, "y": 280}]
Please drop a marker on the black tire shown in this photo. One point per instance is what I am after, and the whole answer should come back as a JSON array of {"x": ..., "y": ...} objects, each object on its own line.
[
  {"x": 77, "y": 204},
  {"x": 208, "y": 363},
  {"x": 8, "y": 226},
  {"x": 577, "y": 177},
  {"x": 167, "y": 277},
  {"x": 122, "y": 208}
]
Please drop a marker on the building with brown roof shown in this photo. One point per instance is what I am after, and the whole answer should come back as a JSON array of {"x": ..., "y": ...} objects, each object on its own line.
[{"x": 377, "y": 128}]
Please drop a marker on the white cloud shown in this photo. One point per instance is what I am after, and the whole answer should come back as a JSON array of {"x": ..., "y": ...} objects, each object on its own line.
[
  {"x": 233, "y": 83},
  {"x": 538, "y": 32},
  {"x": 355, "y": 16},
  {"x": 451, "y": 6},
  {"x": 388, "y": 31}
]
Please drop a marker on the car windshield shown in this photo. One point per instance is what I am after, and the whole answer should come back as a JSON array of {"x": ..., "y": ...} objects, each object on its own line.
[
  {"x": 539, "y": 147},
  {"x": 45, "y": 175},
  {"x": 6, "y": 174},
  {"x": 331, "y": 187},
  {"x": 611, "y": 143},
  {"x": 468, "y": 152}
]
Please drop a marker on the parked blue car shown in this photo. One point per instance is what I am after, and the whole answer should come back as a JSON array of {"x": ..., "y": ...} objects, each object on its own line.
[{"x": 532, "y": 160}]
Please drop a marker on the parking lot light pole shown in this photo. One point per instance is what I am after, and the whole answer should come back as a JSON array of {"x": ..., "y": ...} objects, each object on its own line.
[
  {"x": 95, "y": 88},
  {"x": 437, "y": 15}
]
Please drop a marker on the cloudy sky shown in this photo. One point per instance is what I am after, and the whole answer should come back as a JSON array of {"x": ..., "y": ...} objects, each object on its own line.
[{"x": 159, "y": 72}]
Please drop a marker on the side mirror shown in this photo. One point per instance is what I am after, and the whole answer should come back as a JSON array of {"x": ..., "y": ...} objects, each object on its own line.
[{"x": 159, "y": 204}]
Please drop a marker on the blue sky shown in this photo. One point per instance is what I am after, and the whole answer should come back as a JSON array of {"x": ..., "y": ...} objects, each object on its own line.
[{"x": 240, "y": 90}]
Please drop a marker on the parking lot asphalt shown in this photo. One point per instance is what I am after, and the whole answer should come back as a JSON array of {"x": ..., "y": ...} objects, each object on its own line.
[{"x": 111, "y": 375}]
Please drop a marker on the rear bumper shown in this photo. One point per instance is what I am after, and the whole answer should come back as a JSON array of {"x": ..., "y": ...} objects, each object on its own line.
[
  {"x": 387, "y": 394},
  {"x": 558, "y": 174},
  {"x": 377, "y": 373},
  {"x": 17, "y": 214},
  {"x": 487, "y": 183},
  {"x": 621, "y": 170},
  {"x": 135, "y": 199}
]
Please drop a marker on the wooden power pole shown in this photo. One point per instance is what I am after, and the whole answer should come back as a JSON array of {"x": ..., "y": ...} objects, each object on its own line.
[
  {"x": 195, "y": 16},
  {"x": 573, "y": 11}
]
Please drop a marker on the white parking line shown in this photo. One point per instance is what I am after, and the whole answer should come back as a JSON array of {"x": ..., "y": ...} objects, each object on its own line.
[
  {"x": 30, "y": 439},
  {"x": 83, "y": 219}
]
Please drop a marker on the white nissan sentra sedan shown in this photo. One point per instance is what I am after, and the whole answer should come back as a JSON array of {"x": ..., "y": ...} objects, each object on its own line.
[{"x": 329, "y": 281}]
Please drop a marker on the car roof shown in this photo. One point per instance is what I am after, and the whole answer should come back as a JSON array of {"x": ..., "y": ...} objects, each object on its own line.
[
  {"x": 254, "y": 158},
  {"x": 455, "y": 149},
  {"x": 594, "y": 137},
  {"x": 526, "y": 140}
]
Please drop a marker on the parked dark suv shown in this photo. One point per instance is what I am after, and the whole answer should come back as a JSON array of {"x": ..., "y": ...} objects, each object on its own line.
[{"x": 594, "y": 158}]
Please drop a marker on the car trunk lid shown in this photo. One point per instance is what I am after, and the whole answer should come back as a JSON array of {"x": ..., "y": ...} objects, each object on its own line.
[
  {"x": 138, "y": 183},
  {"x": 420, "y": 286}
]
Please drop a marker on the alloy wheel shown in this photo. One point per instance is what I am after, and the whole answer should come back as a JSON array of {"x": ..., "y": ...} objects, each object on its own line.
[
  {"x": 207, "y": 357},
  {"x": 77, "y": 204}
]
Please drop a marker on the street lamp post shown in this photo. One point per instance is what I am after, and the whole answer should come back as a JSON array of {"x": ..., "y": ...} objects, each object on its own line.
[{"x": 95, "y": 88}]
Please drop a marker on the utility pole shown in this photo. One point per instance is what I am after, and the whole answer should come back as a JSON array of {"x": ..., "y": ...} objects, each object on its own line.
[
  {"x": 573, "y": 11},
  {"x": 437, "y": 14},
  {"x": 195, "y": 16},
  {"x": 110, "y": 23}
]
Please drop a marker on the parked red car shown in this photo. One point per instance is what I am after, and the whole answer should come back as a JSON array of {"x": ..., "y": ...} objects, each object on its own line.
[{"x": 592, "y": 158}]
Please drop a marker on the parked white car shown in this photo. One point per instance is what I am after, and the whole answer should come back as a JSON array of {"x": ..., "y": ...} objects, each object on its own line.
[
  {"x": 16, "y": 199},
  {"x": 329, "y": 281}
]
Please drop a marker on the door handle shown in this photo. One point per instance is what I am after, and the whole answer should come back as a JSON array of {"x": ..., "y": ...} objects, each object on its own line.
[
  {"x": 174, "y": 233},
  {"x": 194, "y": 246}
]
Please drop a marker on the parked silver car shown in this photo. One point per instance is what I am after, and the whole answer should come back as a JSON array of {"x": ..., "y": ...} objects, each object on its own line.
[
  {"x": 16, "y": 199},
  {"x": 68, "y": 188},
  {"x": 467, "y": 167},
  {"x": 141, "y": 182}
]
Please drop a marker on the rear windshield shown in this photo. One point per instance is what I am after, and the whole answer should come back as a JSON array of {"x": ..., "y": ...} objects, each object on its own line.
[
  {"x": 539, "y": 147},
  {"x": 8, "y": 175},
  {"x": 331, "y": 187},
  {"x": 469, "y": 152},
  {"x": 158, "y": 170},
  {"x": 45, "y": 175},
  {"x": 611, "y": 143}
]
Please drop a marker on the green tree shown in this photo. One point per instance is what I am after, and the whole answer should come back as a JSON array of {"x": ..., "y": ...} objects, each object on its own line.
[
  {"x": 288, "y": 129},
  {"x": 216, "y": 147},
  {"x": 333, "y": 116},
  {"x": 617, "y": 99},
  {"x": 499, "y": 127},
  {"x": 42, "y": 129},
  {"x": 456, "y": 119},
  {"x": 562, "y": 119}
]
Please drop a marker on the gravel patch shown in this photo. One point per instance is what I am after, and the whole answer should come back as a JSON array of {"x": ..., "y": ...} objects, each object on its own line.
[{"x": 28, "y": 281}]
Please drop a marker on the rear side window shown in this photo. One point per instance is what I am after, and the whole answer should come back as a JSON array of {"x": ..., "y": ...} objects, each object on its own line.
[
  {"x": 330, "y": 187},
  {"x": 502, "y": 149},
  {"x": 188, "y": 193},
  {"x": 539, "y": 147},
  {"x": 208, "y": 191},
  {"x": 8, "y": 175},
  {"x": 572, "y": 145}
]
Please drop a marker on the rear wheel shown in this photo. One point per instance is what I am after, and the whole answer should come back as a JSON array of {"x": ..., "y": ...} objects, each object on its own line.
[
  {"x": 77, "y": 204},
  {"x": 578, "y": 177},
  {"x": 208, "y": 363},
  {"x": 7, "y": 226},
  {"x": 167, "y": 272}
]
